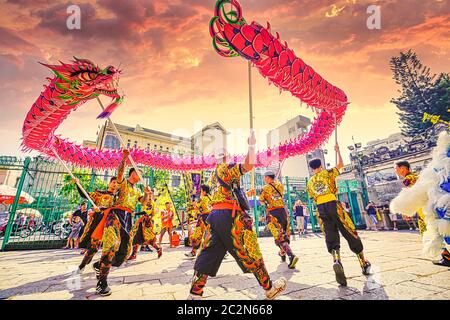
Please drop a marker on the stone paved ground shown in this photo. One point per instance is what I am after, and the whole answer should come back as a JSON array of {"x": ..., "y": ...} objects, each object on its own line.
[{"x": 399, "y": 272}]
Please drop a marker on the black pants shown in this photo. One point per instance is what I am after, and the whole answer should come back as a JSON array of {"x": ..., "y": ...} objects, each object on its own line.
[
  {"x": 235, "y": 235},
  {"x": 333, "y": 219}
]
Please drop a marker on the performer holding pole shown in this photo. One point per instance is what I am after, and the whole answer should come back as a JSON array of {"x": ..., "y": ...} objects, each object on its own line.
[
  {"x": 144, "y": 233},
  {"x": 115, "y": 229},
  {"x": 200, "y": 227},
  {"x": 230, "y": 228},
  {"x": 277, "y": 219},
  {"x": 332, "y": 216},
  {"x": 173, "y": 203}
]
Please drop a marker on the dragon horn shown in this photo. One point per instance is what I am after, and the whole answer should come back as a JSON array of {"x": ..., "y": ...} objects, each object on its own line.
[
  {"x": 50, "y": 66},
  {"x": 87, "y": 61}
]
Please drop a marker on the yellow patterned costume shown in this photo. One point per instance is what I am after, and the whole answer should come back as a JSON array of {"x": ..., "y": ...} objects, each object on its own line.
[
  {"x": 144, "y": 233},
  {"x": 409, "y": 180},
  {"x": 204, "y": 209},
  {"x": 228, "y": 229},
  {"x": 331, "y": 215},
  {"x": 276, "y": 218},
  {"x": 118, "y": 229}
]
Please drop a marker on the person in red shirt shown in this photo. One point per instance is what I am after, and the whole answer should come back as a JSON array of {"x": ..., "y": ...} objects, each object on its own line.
[{"x": 167, "y": 225}]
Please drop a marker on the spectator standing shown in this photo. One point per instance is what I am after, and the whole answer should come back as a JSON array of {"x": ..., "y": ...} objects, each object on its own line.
[
  {"x": 408, "y": 221},
  {"x": 82, "y": 213},
  {"x": 372, "y": 212},
  {"x": 167, "y": 224},
  {"x": 306, "y": 217},
  {"x": 299, "y": 216},
  {"x": 74, "y": 236},
  {"x": 393, "y": 217}
]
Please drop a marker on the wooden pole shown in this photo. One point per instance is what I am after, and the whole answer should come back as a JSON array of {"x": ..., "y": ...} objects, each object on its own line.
[
  {"x": 335, "y": 137},
  {"x": 252, "y": 173},
  {"x": 250, "y": 109},
  {"x": 74, "y": 178},
  {"x": 174, "y": 206},
  {"x": 123, "y": 144}
]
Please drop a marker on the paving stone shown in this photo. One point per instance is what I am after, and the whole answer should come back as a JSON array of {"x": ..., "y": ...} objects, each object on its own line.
[{"x": 398, "y": 272}]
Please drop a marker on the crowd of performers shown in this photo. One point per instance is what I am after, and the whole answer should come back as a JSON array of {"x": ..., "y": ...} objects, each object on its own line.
[{"x": 218, "y": 223}]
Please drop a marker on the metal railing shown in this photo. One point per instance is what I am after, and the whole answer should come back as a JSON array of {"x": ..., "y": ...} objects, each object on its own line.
[{"x": 43, "y": 223}]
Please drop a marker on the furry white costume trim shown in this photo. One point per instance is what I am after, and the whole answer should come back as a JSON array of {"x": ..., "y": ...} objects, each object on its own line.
[{"x": 427, "y": 194}]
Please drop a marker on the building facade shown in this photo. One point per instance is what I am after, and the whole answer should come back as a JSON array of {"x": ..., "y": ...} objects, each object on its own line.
[
  {"x": 295, "y": 166},
  {"x": 376, "y": 162}
]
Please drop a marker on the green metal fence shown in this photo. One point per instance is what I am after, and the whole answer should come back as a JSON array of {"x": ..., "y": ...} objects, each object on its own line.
[
  {"x": 350, "y": 191},
  {"x": 43, "y": 223}
]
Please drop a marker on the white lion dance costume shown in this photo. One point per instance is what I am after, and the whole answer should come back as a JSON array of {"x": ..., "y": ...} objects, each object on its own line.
[{"x": 431, "y": 193}]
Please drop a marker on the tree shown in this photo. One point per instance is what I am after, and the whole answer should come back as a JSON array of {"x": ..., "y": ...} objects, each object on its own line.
[
  {"x": 69, "y": 189},
  {"x": 420, "y": 92}
]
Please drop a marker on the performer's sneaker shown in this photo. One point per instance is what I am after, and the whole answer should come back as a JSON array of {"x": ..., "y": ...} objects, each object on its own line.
[
  {"x": 278, "y": 286},
  {"x": 293, "y": 262},
  {"x": 96, "y": 267},
  {"x": 80, "y": 270},
  {"x": 443, "y": 262},
  {"x": 366, "y": 268},
  {"x": 132, "y": 257},
  {"x": 339, "y": 271},
  {"x": 283, "y": 257},
  {"x": 159, "y": 253},
  {"x": 103, "y": 289},
  {"x": 190, "y": 254},
  {"x": 192, "y": 296}
]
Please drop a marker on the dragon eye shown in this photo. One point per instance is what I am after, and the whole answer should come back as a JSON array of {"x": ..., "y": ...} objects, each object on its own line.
[
  {"x": 110, "y": 70},
  {"x": 87, "y": 76}
]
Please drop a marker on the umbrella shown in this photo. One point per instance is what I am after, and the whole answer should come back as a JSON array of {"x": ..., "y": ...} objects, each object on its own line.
[
  {"x": 30, "y": 212},
  {"x": 7, "y": 195}
]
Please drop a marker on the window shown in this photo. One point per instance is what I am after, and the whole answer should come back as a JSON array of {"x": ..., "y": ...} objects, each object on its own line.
[{"x": 111, "y": 142}]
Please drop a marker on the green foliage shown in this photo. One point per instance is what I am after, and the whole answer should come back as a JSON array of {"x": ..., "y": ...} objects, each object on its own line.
[
  {"x": 69, "y": 188},
  {"x": 179, "y": 197},
  {"x": 420, "y": 92},
  {"x": 300, "y": 195},
  {"x": 161, "y": 178}
]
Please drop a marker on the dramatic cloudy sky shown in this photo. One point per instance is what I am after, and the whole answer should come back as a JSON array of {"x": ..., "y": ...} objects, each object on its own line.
[{"x": 175, "y": 82}]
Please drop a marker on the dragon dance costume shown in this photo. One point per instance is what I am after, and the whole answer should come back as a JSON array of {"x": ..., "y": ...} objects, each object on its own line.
[
  {"x": 410, "y": 180},
  {"x": 333, "y": 219},
  {"x": 228, "y": 228},
  {"x": 193, "y": 211},
  {"x": 277, "y": 219},
  {"x": 204, "y": 209},
  {"x": 143, "y": 230},
  {"x": 103, "y": 200},
  {"x": 116, "y": 232}
]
